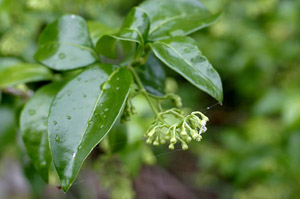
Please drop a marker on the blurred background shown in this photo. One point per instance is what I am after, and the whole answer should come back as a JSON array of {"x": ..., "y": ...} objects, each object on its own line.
[{"x": 252, "y": 147}]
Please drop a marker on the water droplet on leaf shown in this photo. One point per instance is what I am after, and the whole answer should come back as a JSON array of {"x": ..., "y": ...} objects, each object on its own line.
[
  {"x": 62, "y": 55},
  {"x": 31, "y": 112},
  {"x": 57, "y": 138}
]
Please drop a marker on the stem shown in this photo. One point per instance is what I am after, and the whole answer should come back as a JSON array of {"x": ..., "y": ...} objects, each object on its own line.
[{"x": 143, "y": 90}]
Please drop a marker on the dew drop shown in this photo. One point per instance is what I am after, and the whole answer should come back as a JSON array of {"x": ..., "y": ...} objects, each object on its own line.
[
  {"x": 74, "y": 154},
  {"x": 54, "y": 122},
  {"x": 62, "y": 55},
  {"x": 43, "y": 163},
  {"x": 31, "y": 112},
  {"x": 104, "y": 116},
  {"x": 118, "y": 78},
  {"x": 69, "y": 117},
  {"x": 107, "y": 109},
  {"x": 101, "y": 105},
  {"x": 118, "y": 88},
  {"x": 57, "y": 138},
  {"x": 79, "y": 147},
  {"x": 101, "y": 126}
]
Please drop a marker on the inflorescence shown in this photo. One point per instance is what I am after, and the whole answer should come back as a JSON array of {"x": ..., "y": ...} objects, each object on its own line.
[{"x": 188, "y": 128}]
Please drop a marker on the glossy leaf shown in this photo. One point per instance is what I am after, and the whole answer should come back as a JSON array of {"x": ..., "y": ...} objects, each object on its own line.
[
  {"x": 33, "y": 124},
  {"x": 11, "y": 75},
  {"x": 153, "y": 75},
  {"x": 134, "y": 29},
  {"x": 171, "y": 18},
  {"x": 138, "y": 21},
  {"x": 81, "y": 115},
  {"x": 98, "y": 29},
  {"x": 65, "y": 44},
  {"x": 183, "y": 56}
]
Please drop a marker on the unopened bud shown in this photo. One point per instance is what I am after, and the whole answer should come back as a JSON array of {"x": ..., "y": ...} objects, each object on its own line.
[
  {"x": 171, "y": 146},
  {"x": 149, "y": 141},
  {"x": 184, "y": 146},
  {"x": 183, "y": 132},
  {"x": 173, "y": 140},
  {"x": 156, "y": 142}
]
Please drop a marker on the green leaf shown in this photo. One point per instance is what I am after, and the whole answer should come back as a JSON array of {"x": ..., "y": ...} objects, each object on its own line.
[
  {"x": 33, "y": 124},
  {"x": 183, "y": 56},
  {"x": 171, "y": 18},
  {"x": 136, "y": 21},
  {"x": 11, "y": 75},
  {"x": 153, "y": 75},
  {"x": 65, "y": 44},
  {"x": 98, "y": 29},
  {"x": 134, "y": 29},
  {"x": 81, "y": 115}
]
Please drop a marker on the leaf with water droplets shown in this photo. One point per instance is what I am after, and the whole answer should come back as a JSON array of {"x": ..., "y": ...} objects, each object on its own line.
[
  {"x": 33, "y": 124},
  {"x": 65, "y": 44},
  {"x": 76, "y": 124},
  {"x": 183, "y": 56},
  {"x": 171, "y": 18}
]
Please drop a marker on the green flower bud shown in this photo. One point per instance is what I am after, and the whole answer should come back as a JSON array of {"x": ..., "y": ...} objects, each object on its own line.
[
  {"x": 183, "y": 132},
  {"x": 152, "y": 132},
  {"x": 184, "y": 146},
  {"x": 171, "y": 146},
  {"x": 199, "y": 138},
  {"x": 177, "y": 100},
  {"x": 149, "y": 140},
  {"x": 188, "y": 139},
  {"x": 156, "y": 142},
  {"x": 173, "y": 140},
  {"x": 194, "y": 134},
  {"x": 133, "y": 110}
]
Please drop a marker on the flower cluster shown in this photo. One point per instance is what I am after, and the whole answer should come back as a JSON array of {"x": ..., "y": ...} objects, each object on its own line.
[
  {"x": 188, "y": 128},
  {"x": 128, "y": 111}
]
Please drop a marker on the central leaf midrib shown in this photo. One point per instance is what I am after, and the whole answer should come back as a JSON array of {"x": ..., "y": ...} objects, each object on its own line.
[{"x": 95, "y": 106}]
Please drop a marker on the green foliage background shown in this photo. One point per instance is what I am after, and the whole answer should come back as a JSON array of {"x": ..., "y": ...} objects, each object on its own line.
[{"x": 252, "y": 147}]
